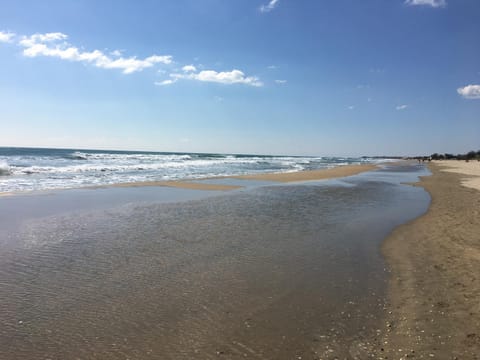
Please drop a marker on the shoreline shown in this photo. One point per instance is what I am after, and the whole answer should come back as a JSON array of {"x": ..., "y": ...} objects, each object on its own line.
[
  {"x": 312, "y": 175},
  {"x": 177, "y": 184},
  {"x": 200, "y": 184},
  {"x": 297, "y": 176},
  {"x": 434, "y": 261}
]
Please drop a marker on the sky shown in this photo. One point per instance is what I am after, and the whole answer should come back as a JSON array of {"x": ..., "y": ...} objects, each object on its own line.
[{"x": 310, "y": 77}]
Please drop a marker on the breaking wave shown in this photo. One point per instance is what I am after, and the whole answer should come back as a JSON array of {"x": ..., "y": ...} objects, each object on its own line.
[
  {"x": 40, "y": 169},
  {"x": 4, "y": 168}
]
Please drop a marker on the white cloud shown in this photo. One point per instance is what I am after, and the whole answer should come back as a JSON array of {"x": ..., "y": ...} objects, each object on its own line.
[
  {"x": 272, "y": 67},
  {"x": 189, "y": 68},
  {"x": 351, "y": 107},
  {"x": 6, "y": 36},
  {"x": 272, "y": 4},
  {"x": 116, "y": 53},
  {"x": 55, "y": 45},
  {"x": 432, "y": 3},
  {"x": 28, "y": 41},
  {"x": 470, "y": 91},
  {"x": 401, "y": 107},
  {"x": 166, "y": 82},
  {"x": 281, "y": 81},
  {"x": 222, "y": 77}
]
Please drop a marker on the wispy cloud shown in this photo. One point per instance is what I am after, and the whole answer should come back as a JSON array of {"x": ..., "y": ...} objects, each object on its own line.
[
  {"x": 401, "y": 107},
  {"x": 432, "y": 3},
  {"x": 6, "y": 37},
  {"x": 56, "y": 45},
  {"x": 222, "y": 77},
  {"x": 189, "y": 68},
  {"x": 470, "y": 91},
  {"x": 272, "y": 4},
  {"x": 281, "y": 81},
  {"x": 272, "y": 67},
  {"x": 165, "y": 82},
  {"x": 351, "y": 107}
]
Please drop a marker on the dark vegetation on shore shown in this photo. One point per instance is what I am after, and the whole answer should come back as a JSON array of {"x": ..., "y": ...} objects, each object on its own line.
[{"x": 471, "y": 155}]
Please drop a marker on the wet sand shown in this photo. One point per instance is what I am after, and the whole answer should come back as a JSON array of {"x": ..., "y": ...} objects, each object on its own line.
[
  {"x": 434, "y": 292},
  {"x": 181, "y": 185},
  {"x": 336, "y": 172},
  {"x": 298, "y": 176},
  {"x": 270, "y": 272}
]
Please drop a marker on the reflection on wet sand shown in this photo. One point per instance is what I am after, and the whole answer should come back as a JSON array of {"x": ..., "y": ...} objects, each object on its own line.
[{"x": 275, "y": 272}]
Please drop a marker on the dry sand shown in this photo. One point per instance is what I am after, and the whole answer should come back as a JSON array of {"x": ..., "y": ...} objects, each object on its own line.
[
  {"x": 434, "y": 292},
  {"x": 471, "y": 169}
]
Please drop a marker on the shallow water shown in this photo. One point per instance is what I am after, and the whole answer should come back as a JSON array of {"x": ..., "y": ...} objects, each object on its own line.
[{"x": 272, "y": 272}]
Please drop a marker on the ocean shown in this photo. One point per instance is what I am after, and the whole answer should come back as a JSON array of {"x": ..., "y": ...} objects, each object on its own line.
[{"x": 34, "y": 169}]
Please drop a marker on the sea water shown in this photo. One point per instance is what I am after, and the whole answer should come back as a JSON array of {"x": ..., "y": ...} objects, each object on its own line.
[
  {"x": 268, "y": 272},
  {"x": 32, "y": 169}
]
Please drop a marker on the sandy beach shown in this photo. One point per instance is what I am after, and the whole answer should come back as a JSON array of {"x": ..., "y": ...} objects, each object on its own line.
[
  {"x": 270, "y": 272},
  {"x": 470, "y": 171},
  {"x": 434, "y": 292},
  {"x": 230, "y": 180}
]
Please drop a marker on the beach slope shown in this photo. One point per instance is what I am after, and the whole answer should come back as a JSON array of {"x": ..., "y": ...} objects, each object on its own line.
[{"x": 434, "y": 307}]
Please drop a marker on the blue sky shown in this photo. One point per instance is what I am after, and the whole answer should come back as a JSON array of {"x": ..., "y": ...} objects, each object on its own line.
[{"x": 312, "y": 77}]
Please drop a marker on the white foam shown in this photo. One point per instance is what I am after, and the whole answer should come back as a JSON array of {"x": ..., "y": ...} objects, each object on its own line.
[
  {"x": 84, "y": 168},
  {"x": 4, "y": 168}
]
